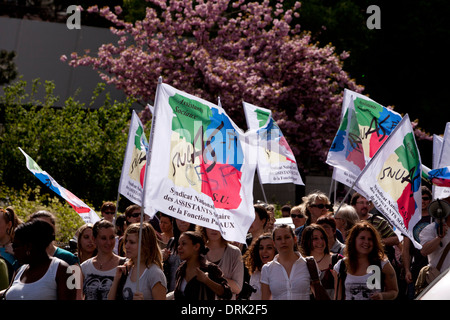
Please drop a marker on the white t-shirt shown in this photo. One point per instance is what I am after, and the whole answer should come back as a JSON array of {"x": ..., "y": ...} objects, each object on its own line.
[
  {"x": 429, "y": 233},
  {"x": 256, "y": 284},
  {"x": 96, "y": 282},
  {"x": 295, "y": 287},
  {"x": 149, "y": 278},
  {"x": 356, "y": 286}
]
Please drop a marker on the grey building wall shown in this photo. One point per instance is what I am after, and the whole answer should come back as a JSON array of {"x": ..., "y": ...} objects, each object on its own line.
[{"x": 39, "y": 46}]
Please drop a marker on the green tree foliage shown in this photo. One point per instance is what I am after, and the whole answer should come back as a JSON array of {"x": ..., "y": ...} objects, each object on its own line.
[
  {"x": 8, "y": 70},
  {"x": 80, "y": 147}
]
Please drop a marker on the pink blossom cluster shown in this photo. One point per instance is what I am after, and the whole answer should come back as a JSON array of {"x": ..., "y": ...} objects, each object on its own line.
[{"x": 238, "y": 51}]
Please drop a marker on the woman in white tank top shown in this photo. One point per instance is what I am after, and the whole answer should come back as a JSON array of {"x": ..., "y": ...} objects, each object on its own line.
[{"x": 40, "y": 277}]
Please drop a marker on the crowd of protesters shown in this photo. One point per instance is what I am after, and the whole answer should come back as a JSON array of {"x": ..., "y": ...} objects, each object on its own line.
[{"x": 324, "y": 254}]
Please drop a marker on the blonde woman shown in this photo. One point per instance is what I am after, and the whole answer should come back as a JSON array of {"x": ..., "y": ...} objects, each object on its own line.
[
  {"x": 316, "y": 205},
  {"x": 152, "y": 281}
]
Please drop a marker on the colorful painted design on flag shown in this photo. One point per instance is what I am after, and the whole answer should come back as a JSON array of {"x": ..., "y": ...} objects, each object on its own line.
[
  {"x": 200, "y": 170},
  {"x": 275, "y": 161},
  {"x": 218, "y": 156},
  {"x": 342, "y": 173},
  {"x": 347, "y": 145},
  {"x": 392, "y": 179},
  {"x": 404, "y": 168},
  {"x": 375, "y": 124},
  {"x": 135, "y": 159},
  {"x": 365, "y": 126},
  {"x": 86, "y": 213},
  {"x": 438, "y": 177}
]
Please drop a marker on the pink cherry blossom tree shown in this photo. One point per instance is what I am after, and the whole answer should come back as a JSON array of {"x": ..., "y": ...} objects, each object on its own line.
[{"x": 238, "y": 51}]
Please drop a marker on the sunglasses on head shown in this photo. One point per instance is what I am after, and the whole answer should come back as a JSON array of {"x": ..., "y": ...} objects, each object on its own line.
[{"x": 321, "y": 206}]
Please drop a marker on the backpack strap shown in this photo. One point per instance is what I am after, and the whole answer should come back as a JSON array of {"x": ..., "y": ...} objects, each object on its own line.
[{"x": 342, "y": 275}]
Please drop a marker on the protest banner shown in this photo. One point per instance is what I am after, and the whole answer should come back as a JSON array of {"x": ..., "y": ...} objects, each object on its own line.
[
  {"x": 442, "y": 152},
  {"x": 135, "y": 159},
  {"x": 199, "y": 167},
  {"x": 275, "y": 160},
  {"x": 392, "y": 180}
]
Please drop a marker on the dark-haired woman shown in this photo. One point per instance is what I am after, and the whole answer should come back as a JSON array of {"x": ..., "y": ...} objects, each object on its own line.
[
  {"x": 354, "y": 279},
  {"x": 171, "y": 259},
  {"x": 197, "y": 278},
  {"x": 41, "y": 277},
  {"x": 315, "y": 243},
  {"x": 260, "y": 252}
]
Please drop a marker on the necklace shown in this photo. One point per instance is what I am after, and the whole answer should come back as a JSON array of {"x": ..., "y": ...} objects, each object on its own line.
[
  {"x": 318, "y": 261},
  {"x": 101, "y": 264}
]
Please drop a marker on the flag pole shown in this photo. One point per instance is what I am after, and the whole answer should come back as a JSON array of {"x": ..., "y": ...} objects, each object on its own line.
[
  {"x": 145, "y": 178},
  {"x": 117, "y": 207}
]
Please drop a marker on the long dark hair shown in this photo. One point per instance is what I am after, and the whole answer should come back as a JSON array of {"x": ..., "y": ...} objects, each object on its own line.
[
  {"x": 197, "y": 237},
  {"x": 307, "y": 234},
  {"x": 251, "y": 257},
  {"x": 377, "y": 254}
]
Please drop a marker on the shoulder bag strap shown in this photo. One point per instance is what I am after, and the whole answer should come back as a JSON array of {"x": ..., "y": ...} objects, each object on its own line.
[
  {"x": 312, "y": 268},
  {"x": 444, "y": 254}
]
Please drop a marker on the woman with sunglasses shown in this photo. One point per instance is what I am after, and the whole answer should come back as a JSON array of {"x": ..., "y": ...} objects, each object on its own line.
[
  {"x": 298, "y": 215},
  {"x": 316, "y": 204},
  {"x": 108, "y": 211}
]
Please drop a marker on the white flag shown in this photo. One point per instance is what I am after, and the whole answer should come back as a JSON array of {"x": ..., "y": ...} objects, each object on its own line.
[
  {"x": 392, "y": 180},
  {"x": 199, "y": 169},
  {"x": 443, "y": 156},
  {"x": 275, "y": 160},
  {"x": 86, "y": 213},
  {"x": 134, "y": 163}
]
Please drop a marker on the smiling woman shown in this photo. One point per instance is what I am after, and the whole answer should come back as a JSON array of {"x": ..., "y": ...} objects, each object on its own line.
[
  {"x": 99, "y": 271},
  {"x": 363, "y": 250}
]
